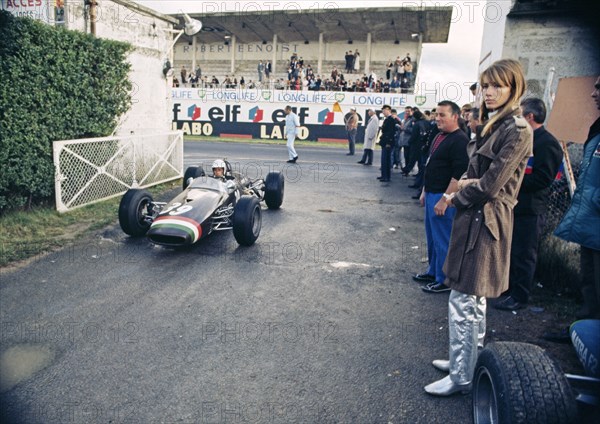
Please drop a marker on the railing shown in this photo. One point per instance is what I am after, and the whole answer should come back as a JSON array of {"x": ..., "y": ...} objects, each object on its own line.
[{"x": 96, "y": 169}]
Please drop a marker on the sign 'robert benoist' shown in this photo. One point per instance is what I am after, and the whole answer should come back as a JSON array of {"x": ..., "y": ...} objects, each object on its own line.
[{"x": 260, "y": 113}]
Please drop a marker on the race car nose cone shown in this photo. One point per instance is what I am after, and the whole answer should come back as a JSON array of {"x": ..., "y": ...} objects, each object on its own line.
[
  {"x": 169, "y": 236},
  {"x": 171, "y": 231}
]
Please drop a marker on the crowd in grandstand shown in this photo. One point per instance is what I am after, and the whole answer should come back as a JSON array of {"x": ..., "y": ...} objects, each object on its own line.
[{"x": 301, "y": 76}]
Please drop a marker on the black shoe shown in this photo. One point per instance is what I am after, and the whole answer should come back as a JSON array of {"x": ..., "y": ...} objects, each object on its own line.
[
  {"x": 414, "y": 186},
  {"x": 349, "y": 154},
  {"x": 379, "y": 178},
  {"x": 368, "y": 164},
  {"x": 384, "y": 180},
  {"x": 295, "y": 159},
  {"x": 291, "y": 161},
  {"x": 561, "y": 336},
  {"x": 509, "y": 304},
  {"x": 416, "y": 197},
  {"x": 436, "y": 288},
  {"x": 360, "y": 161},
  {"x": 424, "y": 278}
]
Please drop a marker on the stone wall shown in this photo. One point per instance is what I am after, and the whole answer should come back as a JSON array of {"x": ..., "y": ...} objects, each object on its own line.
[
  {"x": 145, "y": 30},
  {"x": 540, "y": 43}
]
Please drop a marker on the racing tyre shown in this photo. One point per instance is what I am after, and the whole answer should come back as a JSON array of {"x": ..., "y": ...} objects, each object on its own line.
[
  {"x": 192, "y": 172},
  {"x": 519, "y": 383},
  {"x": 274, "y": 185},
  {"x": 247, "y": 220},
  {"x": 134, "y": 207}
]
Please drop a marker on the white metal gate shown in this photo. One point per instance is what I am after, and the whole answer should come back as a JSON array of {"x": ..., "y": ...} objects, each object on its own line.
[{"x": 95, "y": 169}]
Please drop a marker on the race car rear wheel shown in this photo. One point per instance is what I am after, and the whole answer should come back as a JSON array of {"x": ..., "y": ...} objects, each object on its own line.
[
  {"x": 247, "y": 220},
  {"x": 519, "y": 383},
  {"x": 274, "y": 187},
  {"x": 192, "y": 172},
  {"x": 134, "y": 207}
]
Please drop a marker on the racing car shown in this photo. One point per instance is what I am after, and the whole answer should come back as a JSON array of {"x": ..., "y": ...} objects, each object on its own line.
[{"x": 224, "y": 201}]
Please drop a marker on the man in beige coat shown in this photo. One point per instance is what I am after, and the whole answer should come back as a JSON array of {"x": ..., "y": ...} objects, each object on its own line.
[{"x": 371, "y": 132}]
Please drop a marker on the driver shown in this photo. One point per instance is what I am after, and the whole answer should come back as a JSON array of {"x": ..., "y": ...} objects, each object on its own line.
[{"x": 218, "y": 168}]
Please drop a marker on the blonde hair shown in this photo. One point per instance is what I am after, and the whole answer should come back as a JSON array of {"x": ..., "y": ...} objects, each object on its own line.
[{"x": 505, "y": 73}]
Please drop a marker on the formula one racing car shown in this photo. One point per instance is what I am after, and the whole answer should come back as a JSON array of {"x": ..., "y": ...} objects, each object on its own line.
[{"x": 224, "y": 201}]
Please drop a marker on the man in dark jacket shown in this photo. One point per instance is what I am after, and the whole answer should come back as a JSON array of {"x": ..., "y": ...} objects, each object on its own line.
[
  {"x": 529, "y": 216},
  {"x": 581, "y": 223},
  {"x": 386, "y": 141},
  {"x": 447, "y": 162}
]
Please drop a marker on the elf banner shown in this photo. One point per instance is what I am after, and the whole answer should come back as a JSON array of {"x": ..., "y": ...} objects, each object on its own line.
[{"x": 259, "y": 114}]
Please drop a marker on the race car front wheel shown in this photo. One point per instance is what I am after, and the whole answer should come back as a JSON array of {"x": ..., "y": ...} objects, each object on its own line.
[
  {"x": 247, "y": 220},
  {"x": 519, "y": 383},
  {"x": 274, "y": 186},
  {"x": 133, "y": 209}
]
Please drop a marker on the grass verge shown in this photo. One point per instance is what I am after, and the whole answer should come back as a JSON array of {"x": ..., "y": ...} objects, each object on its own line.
[{"x": 26, "y": 234}]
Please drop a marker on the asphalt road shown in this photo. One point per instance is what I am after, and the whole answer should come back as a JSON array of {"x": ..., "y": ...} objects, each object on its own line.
[{"x": 318, "y": 322}]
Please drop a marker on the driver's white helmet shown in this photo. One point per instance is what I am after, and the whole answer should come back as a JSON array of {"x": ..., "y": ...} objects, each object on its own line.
[{"x": 219, "y": 163}]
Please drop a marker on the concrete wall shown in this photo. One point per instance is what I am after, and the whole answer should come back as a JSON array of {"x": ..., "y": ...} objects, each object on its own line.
[
  {"x": 492, "y": 42},
  {"x": 540, "y": 43},
  {"x": 143, "y": 28}
]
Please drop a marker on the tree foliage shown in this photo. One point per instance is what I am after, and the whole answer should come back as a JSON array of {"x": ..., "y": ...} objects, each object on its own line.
[{"x": 55, "y": 84}]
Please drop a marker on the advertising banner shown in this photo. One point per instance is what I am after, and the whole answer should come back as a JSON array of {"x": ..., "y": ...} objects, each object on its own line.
[
  {"x": 42, "y": 10},
  {"x": 259, "y": 114}
]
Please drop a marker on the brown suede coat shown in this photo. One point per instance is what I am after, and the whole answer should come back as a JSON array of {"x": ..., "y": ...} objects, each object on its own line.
[{"x": 478, "y": 257}]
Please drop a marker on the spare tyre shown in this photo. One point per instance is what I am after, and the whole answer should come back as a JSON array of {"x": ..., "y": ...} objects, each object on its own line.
[{"x": 519, "y": 383}]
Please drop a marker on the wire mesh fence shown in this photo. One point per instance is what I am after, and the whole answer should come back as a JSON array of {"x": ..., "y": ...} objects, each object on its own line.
[
  {"x": 558, "y": 260},
  {"x": 95, "y": 169}
]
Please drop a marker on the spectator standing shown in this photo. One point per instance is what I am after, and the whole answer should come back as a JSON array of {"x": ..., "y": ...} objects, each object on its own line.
[
  {"x": 268, "y": 69},
  {"x": 408, "y": 71},
  {"x": 447, "y": 162},
  {"x": 478, "y": 256},
  {"x": 260, "y": 68},
  {"x": 198, "y": 72},
  {"x": 416, "y": 139},
  {"x": 398, "y": 68},
  {"x": 404, "y": 138},
  {"x": 351, "y": 128},
  {"x": 370, "y": 136},
  {"x": 386, "y": 141},
  {"x": 474, "y": 122},
  {"x": 433, "y": 131},
  {"x": 581, "y": 222},
  {"x": 529, "y": 214},
  {"x": 356, "y": 61},
  {"x": 292, "y": 123},
  {"x": 183, "y": 74},
  {"x": 390, "y": 68},
  {"x": 395, "y": 85},
  {"x": 348, "y": 58}
]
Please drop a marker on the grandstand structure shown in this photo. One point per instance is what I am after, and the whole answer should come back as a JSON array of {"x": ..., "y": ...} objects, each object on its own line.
[{"x": 233, "y": 42}]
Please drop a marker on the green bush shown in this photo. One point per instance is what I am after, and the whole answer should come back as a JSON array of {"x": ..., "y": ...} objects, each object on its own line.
[{"x": 56, "y": 85}]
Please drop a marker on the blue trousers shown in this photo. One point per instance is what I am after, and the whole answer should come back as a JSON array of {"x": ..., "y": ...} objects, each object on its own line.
[
  {"x": 437, "y": 230},
  {"x": 352, "y": 140},
  {"x": 386, "y": 162}
]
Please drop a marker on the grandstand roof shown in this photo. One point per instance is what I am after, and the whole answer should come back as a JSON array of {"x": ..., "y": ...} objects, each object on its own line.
[{"x": 384, "y": 24}]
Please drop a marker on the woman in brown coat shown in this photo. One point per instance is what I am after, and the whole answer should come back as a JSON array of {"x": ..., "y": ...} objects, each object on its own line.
[{"x": 478, "y": 261}]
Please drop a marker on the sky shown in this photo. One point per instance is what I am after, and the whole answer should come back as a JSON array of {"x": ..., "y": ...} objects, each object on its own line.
[{"x": 448, "y": 67}]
